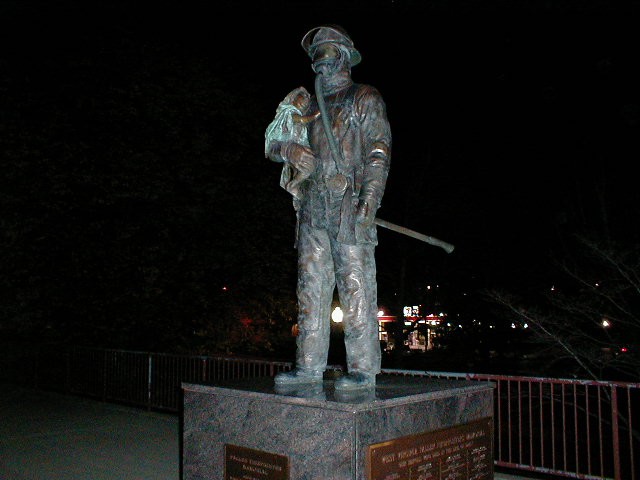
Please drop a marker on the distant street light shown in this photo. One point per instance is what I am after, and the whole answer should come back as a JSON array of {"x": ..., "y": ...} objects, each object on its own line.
[{"x": 337, "y": 315}]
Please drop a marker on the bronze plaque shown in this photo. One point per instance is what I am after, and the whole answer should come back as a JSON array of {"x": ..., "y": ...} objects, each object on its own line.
[
  {"x": 463, "y": 452},
  {"x": 242, "y": 463}
]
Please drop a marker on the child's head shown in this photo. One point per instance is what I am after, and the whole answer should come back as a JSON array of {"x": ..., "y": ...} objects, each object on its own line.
[
  {"x": 301, "y": 101},
  {"x": 299, "y": 98}
]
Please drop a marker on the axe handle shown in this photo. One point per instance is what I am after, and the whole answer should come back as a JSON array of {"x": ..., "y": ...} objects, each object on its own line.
[{"x": 447, "y": 247}]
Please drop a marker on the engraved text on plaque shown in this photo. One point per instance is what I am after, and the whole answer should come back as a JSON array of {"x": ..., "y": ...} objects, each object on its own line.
[
  {"x": 242, "y": 463},
  {"x": 463, "y": 452}
]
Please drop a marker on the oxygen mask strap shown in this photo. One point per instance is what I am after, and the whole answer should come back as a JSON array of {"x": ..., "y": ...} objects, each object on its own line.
[
  {"x": 338, "y": 183},
  {"x": 324, "y": 115}
]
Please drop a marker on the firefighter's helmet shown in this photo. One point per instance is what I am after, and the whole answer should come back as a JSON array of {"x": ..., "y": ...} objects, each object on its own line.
[{"x": 324, "y": 34}]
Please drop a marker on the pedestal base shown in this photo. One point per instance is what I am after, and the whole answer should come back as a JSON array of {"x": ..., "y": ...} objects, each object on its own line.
[{"x": 405, "y": 428}]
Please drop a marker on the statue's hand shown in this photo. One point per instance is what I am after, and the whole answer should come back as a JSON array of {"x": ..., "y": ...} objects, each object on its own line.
[
  {"x": 300, "y": 157},
  {"x": 275, "y": 152},
  {"x": 365, "y": 213}
]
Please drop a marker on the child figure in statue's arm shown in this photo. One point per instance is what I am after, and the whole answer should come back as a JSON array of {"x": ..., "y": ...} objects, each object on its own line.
[{"x": 290, "y": 125}]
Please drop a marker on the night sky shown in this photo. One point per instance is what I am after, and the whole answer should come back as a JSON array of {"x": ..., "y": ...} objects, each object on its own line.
[{"x": 514, "y": 123}]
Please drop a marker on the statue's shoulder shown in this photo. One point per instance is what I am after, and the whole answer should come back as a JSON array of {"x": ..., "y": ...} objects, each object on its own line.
[
  {"x": 362, "y": 91},
  {"x": 366, "y": 97},
  {"x": 365, "y": 88}
]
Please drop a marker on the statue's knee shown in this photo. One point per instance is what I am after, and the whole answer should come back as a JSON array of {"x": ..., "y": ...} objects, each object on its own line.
[{"x": 354, "y": 283}]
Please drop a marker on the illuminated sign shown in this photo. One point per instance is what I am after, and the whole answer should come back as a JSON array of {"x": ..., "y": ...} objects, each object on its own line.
[{"x": 411, "y": 311}]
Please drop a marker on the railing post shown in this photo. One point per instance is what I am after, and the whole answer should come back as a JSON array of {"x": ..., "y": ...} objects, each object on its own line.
[
  {"x": 36, "y": 368},
  {"x": 149, "y": 372},
  {"x": 104, "y": 376},
  {"x": 615, "y": 432},
  {"x": 67, "y": 357}
]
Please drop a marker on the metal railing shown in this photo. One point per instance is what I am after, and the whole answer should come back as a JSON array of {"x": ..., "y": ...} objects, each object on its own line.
[
  {"x": 150, "y": 380},
  {"x": 569, "y": 428}
]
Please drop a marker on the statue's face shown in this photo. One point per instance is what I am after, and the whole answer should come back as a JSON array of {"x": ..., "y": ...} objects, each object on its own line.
[
  {"x": 301, "y": 102},
  {"x": 326, "y": 58}
]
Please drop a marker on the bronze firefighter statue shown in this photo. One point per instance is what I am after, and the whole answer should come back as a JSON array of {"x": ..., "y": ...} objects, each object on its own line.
[{"x": 344, "y": 169}]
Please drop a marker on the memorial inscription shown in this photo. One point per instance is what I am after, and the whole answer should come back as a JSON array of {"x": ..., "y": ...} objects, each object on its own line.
[
  {"x": 242, "y": 463},
  {"x": 462, "y": 452}
]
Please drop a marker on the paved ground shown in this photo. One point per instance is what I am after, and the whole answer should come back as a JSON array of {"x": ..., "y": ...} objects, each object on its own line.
[
  {"x": 47, "y": 436},
  {"x": 57, "y": 437}
]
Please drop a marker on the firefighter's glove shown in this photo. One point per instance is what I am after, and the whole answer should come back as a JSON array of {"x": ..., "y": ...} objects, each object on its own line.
[{"x": 365, "y": 212}]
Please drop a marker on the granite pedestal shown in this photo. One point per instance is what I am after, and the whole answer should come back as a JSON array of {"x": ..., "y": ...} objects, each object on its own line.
[{"x": 407, "y": 427}]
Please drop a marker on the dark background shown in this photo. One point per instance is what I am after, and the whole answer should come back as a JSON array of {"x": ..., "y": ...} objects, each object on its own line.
[{"x": 138, "y": 209}]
